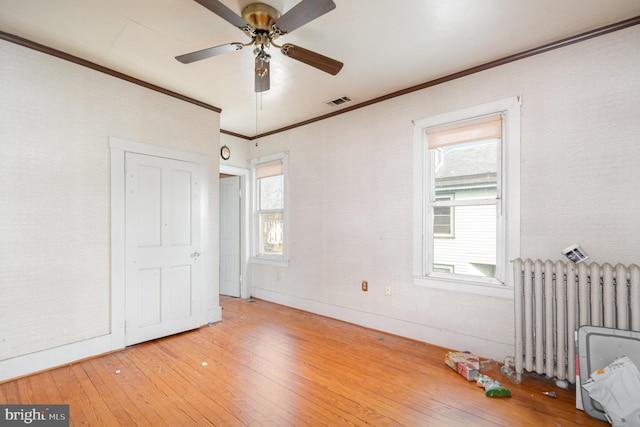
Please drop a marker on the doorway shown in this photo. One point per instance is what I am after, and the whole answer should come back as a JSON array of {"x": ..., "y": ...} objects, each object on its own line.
[
  {"x": 193, "y": 295},
  {"x": 230, "y": 236},
  {"x": 162, "y": 233},
  {"x": 234, "y": 220}
]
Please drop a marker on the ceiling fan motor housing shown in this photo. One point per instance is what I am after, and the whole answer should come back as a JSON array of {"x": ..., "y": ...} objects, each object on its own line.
[{"x": 260, "y": 16}]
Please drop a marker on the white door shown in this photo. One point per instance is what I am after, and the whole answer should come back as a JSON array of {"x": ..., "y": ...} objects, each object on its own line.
[
  {"x": 230, "y": 236},
  {"x": 162, "y": 233}
]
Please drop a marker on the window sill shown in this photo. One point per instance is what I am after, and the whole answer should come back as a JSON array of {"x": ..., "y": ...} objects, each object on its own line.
[
  {"x": 270, "y": 261},
  {"x": 475, "y": 288}
]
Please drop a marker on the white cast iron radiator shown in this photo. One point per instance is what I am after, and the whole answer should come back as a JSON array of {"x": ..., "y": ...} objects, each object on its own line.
[{"x": 554, "y": 298}]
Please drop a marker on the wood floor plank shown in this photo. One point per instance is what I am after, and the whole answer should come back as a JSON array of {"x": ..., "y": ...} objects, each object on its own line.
[
  {"x": 134, "y": 384},
  {"x": 283, "y": 369},
  {"x": 207, "y": 402},
  {"x": 275, "y": 398},
  {"x": 292, "y": 391},
  {"x": 11, "y": 391},
  {"x": 384, "y": 404},
  {"x": 95, "y": 408},
  {"x": 45, "y": 389},
  {"x": 266, "y": 364},
  {"x": 102, "y": 377}
]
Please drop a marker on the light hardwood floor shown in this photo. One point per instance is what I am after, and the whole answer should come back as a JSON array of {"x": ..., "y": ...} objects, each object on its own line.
[{"x": 266, "y": 364}]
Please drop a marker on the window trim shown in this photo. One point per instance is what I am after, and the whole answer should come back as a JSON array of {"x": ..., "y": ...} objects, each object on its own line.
[
  {"x": 509, "y": 244},
  {"x": 256, "y": 256}
]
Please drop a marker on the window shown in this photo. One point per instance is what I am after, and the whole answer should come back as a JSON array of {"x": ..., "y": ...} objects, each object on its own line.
[
  {"x": 270, "y": 209},
  {"x": 466, "y": 197},
  {"x": 443, "y": 216},
  {"x": 464, "y": 158},
  {"x": 443, "y": 268}
]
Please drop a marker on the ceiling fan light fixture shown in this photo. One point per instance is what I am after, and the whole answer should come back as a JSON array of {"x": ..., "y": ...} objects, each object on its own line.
[{"x": 262, "y": 60}]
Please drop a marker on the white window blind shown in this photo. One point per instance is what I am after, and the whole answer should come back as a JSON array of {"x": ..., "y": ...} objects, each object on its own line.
[
  {"x": 265, "y": 170},
  {"x": 482, "y": 128},
  {"x": 270, "y": 210}
]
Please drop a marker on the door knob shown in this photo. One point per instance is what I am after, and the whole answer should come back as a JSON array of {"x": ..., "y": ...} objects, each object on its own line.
[{"x": 195, "y": 255}]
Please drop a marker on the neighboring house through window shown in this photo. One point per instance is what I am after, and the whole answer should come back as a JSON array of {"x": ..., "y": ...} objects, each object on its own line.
[
  {"x": 270, "y": 209},
  {"x": 466, "y": 180}
]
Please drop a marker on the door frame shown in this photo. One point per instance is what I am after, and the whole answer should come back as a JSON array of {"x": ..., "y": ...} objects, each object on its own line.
[
  {"x": 119, "y": 147},
  {"x": 245, "y": 213}
]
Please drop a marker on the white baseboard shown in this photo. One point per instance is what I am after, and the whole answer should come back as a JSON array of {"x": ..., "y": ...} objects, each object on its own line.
[
  {"x": 58, "y": 356},
  {"x": 439, "y": 337}
]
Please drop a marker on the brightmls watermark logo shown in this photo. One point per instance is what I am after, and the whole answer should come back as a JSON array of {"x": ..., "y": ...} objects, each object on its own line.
[{"x": 34, "y": 415}]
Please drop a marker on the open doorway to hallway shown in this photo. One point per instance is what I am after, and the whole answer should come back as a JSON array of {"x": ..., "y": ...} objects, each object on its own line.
[{"x": 234, "y": 220}]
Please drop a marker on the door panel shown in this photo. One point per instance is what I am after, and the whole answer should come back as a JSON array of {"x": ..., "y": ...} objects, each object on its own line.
[
  {"x": 162, "y": 227},
  {"x": 181, "y": 294},
  {"x": 148, "y": 296},
  {"x": 149, "y": 199},
  {"x": 181, "y": 207}
]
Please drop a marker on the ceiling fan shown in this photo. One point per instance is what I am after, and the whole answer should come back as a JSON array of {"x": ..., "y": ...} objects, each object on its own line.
[{"x": 263, "y": 24}]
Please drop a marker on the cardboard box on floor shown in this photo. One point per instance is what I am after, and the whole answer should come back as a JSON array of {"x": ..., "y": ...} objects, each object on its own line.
[{"x": 464, "y": 363}]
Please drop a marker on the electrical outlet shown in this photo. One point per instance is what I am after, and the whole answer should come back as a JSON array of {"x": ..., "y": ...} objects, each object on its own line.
[
  {"x": 365, "y": 285},
  {"x": 387, "y": 289}
]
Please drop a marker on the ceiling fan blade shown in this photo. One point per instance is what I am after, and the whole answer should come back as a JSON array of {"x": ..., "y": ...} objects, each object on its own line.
[
  {"x": 188, "y": 58},
  {"x": 303, "y": 12},
  {"x": 224, "y": 12},
  {"x": 263, "y": 83},
  {"x": 314, "y": 59}
]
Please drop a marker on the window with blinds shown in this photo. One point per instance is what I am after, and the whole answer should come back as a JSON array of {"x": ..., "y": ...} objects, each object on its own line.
[
  {"x": 270, "y": 207},
  {"x": 467, "y": 198},
  {"x": 464, "y": 197}
]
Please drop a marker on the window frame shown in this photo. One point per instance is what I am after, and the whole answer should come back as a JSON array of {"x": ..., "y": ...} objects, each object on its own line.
[
  {"x": 508, "y": 220},
  {"x": 256, "y": 256}
]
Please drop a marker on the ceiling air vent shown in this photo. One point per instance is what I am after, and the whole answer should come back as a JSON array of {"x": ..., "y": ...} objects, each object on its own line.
[{"x": 338, "y": 101}]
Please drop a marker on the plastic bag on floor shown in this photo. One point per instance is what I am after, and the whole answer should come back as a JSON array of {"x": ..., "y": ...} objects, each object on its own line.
[{"x": 617, "y": 389}]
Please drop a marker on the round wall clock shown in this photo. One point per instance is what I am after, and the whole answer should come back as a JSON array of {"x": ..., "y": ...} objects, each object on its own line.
[{"x": 225, "y": 152}]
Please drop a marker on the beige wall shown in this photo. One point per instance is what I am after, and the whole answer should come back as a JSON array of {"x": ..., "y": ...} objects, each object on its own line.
[
  {"x": 351, "y": 192},
  {"x": 239, "y": 151},
  {"x": 55, "y": 122}
]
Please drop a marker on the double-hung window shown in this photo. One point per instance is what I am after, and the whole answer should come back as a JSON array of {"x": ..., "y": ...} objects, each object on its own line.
[
  {"x": 466, "y": 197},
  {"x": 270, "y": 209}
]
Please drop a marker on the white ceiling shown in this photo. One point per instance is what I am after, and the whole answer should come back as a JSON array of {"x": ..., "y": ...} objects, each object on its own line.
[{"x": 385, "y": 45}]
